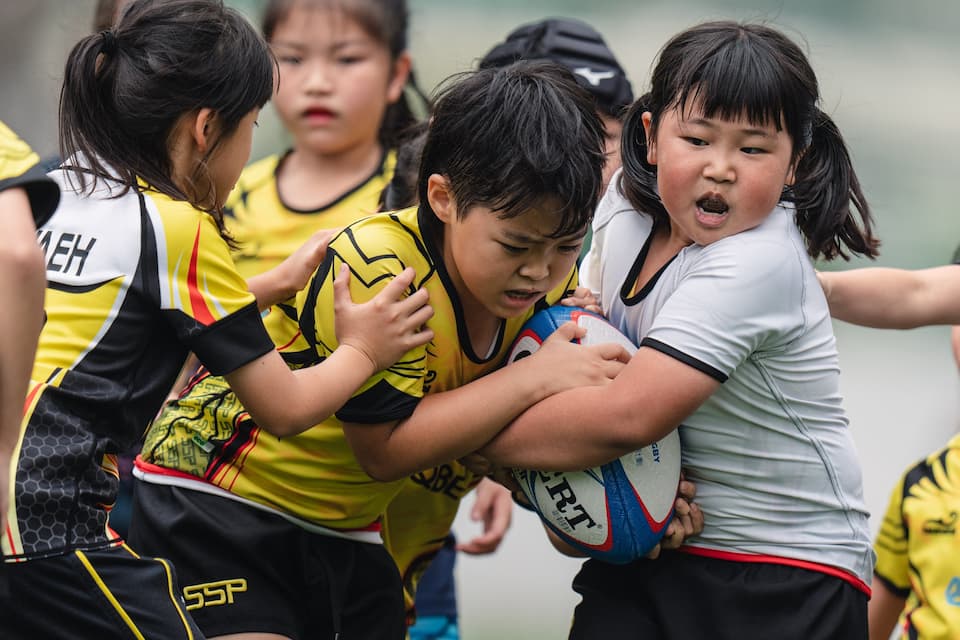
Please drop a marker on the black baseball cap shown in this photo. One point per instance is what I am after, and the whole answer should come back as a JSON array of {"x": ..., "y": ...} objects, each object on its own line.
[{"x": 577, "y": 46}]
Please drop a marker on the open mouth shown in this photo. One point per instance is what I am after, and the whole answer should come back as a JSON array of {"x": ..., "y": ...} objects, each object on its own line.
[
  {"x": 713, "y": 206},
  {"x": 523, "y": 296}
]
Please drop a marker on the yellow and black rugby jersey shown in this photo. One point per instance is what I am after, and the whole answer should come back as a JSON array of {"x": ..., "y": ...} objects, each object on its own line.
[
  {"x": 205, "y": 437},
  {"x": 917, "y": 545},
  {"x": 418, "y": 521},
  {"x": 19, "y": 168},
  {"x": 134, "y": 284},
  {"x": 268, "y": 231}
]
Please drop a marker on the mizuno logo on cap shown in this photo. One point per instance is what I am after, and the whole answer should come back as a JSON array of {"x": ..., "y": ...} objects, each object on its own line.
[{"x": 593, "y": 77}]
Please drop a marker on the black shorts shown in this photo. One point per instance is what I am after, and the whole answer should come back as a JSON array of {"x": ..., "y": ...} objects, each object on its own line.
[
  {"x": 682, "y": 596},
  {"x": 244, "y": 570},
  {"x": 105, "y": 594}
]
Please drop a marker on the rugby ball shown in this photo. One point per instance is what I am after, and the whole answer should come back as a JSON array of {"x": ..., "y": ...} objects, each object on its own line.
[{"x": 619, "y": 511}]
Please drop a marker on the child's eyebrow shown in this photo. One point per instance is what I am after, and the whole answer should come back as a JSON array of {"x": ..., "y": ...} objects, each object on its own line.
[
  {"x": 710, "y": 124},
  {"x": 514, "y": 236}
]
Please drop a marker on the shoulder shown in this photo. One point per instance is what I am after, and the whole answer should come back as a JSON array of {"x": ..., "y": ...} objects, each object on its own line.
[
  {"x": 614, "y": 204},
  {"x": 393, "y": 238}
]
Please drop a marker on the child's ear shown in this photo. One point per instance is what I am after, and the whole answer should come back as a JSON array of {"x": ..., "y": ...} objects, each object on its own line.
[
  {"x": 399, "y": 76},
  {"x": 203, "y": 128},
  {"x": 441, "y": 198},
  {"x": 647, "y": 119}
]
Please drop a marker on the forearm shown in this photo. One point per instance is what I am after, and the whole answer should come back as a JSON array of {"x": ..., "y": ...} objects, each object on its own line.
[
  {"x": 883, "y": 610},
  {"x": 894, "y": 298},
  {"x": 286, "y": 402},
  {"x": 569, "y": 431},
  {"x": 589, "y": 426},
  {"x": 446, "y": 426},
  {"x": 272, "y": 286}
]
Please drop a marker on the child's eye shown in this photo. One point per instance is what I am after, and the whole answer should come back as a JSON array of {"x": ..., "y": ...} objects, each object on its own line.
[
  {"x": 350, "y": 59},
  {"x": 697, "y": 142},
  {"x": 753, "y": 150},
  {"x": 570, "y": 248},
  {"x": 289, "y": 59},
  {"x": 509, "y": 248}
]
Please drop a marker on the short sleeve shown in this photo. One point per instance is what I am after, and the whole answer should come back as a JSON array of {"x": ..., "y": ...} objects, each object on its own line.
[
  {"x": 734, "y": 299},
  {"x": 19, "y": 167},
  {"x": 393, "y": 393},
  {"x": 893, "y": 563},
  {"x": 203, "y": 296}
]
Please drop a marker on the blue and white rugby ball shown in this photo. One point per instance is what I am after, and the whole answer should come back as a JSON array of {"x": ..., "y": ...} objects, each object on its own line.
[{"x": 616, "y": 512}]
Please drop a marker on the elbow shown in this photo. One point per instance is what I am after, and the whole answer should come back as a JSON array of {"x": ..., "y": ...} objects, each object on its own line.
[
  {"x": 25, "y": 263},
  {"x": 381, "y": 470}
]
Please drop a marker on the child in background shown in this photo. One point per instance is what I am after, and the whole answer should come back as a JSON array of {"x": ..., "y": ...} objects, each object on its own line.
[
  {"x": 915, "y": 581},
  {"x": 582, "y": 49},
  {"x": 732, "y": 180},
  {"x": 156, "y": 120}
]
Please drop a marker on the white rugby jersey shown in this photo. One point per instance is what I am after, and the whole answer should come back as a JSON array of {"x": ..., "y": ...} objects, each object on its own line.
[{"x": 775, "y": 465}]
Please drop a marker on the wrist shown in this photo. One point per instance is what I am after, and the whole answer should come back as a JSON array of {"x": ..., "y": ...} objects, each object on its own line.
[{"x": 359, "y": 359}]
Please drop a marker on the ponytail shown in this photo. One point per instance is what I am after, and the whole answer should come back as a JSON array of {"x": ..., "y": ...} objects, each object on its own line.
[
  {"x": 400, "y": 117},
  {"x": 826, "y": 187}
]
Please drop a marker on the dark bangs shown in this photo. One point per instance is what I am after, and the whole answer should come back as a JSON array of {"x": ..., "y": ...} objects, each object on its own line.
[
  {"x": 516, "y": 138},
  {"x": 739, "y": 71}
]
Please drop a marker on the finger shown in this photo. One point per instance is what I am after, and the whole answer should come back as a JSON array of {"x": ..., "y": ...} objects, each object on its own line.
[
  {"x": 414, "y": 301},
  {"x": 568, "y": 331},
  {"x": 654, "y": 553},
  {"x": 696, "y": 517},
  {"x": 341, "y": 286},
  {"x": 687, "y": 490},
  {"x": 396, "y": 287},
  {"x": 613, "y": 351},
  {"x": 595, "y": 308},
  {"x": 420, "y": 317}
]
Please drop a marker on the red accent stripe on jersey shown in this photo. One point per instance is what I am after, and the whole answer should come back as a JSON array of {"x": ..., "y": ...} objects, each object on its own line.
[
  {"x": 149, "y": 467},
  {"x": 790, "y": 562},
  {"x": 221, "y": 463},
  {"x": 292, "y": 340},
  {"x": 200, "y": 310},
  {"x": 243, "y": 454},
  {"x": 30, "y": 396}
]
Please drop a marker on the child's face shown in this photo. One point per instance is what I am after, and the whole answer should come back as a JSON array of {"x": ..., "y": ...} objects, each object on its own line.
[
  {"x": 718, "y": 177},
  {"x": 335, "y": 80},
  {"x": 504, "y": 265},
  {"x": 231, "y": 156}
]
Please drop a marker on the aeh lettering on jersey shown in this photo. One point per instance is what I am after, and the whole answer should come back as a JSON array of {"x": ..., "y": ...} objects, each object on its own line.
[{"x": 66, "y": 252}]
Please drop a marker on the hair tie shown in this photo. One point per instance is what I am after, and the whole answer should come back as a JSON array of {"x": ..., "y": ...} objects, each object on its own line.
[{"x": 108, "y": 42}]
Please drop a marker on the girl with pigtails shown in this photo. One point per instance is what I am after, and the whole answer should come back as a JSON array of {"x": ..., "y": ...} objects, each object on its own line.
[
  {"x": 156, "y": 120},
  {"x": 733, "y": 179}
]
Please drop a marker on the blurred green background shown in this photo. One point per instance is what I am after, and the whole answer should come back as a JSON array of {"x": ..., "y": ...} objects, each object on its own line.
[{"x": 890, "y": 79}]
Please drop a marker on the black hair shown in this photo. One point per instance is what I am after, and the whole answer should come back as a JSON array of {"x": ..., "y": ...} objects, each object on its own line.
[
  {"x": 730, "y": 70},
  {"x": 506, "y": 138},
  {"x": 125, "y": 89},
  {"x": 385, "y": 21},
  {"x": 401, "y": 191},
  {"x": 576, "y": 45}
]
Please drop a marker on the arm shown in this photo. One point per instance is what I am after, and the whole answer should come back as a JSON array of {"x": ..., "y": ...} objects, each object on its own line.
[
  {"x": 894, "y": 298},
  {"x": 290, "y": 276},
  {"x": 883, "y": 610},
  {"x": 372, "y": 336},
  {"x": 479, "y": 409},
  {"x": 589, "y": 426},
  {"x": 23, "y": 281}
]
